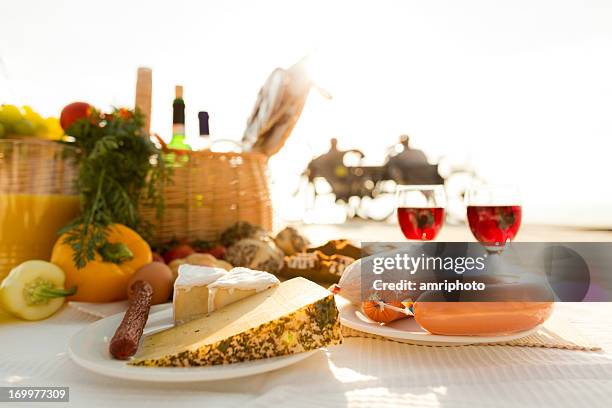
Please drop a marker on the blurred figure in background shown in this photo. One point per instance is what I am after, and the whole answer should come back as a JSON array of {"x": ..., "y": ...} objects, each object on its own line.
[
  {"x": 332, "y": 168},
  {"x": 333, "y": 155},
  {"x": 410, "y": 157},
  {"x": 406, "y": 165},
  {"x": 332, "y": 163}
]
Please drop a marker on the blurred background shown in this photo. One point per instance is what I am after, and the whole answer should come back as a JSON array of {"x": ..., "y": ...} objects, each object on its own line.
[{"x": 518, "y": 92}]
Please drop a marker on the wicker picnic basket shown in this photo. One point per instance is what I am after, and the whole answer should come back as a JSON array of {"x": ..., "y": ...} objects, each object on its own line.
[
  {"x": 210, "y": 191},
  {"x": 33, "y": 166}
]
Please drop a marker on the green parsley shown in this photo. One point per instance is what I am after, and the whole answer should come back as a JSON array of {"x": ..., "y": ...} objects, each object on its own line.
[{"x": 120, "y": 171}]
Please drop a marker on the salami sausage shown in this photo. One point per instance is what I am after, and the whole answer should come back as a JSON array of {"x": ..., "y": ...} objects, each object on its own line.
[
  {"x": 514, "y": 308},
  {"x": 124, "y": 343}
]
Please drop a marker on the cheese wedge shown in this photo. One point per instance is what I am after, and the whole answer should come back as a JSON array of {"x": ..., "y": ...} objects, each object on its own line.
[
  {"x": 296, "y": 316},
  {"x": 237, "y": 284},
  {"x": 191, "y": 294}
]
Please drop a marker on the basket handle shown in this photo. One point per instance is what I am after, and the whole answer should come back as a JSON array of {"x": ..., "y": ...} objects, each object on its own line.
[{"x": 164, "y": 145}]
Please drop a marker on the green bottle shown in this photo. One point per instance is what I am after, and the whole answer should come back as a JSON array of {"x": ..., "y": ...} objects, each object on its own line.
[{"x": 178, "y": 121}]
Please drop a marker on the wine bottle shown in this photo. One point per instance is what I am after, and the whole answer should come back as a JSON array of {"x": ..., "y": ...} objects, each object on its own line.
[
  {"x": 204, "y": 139},
  {"x": 178, "y": 121}
]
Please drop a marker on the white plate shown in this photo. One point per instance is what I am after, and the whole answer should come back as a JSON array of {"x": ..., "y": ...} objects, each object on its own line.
[
  {"x": 409, "y": 331},
  {"x": 89, "y": 349}
]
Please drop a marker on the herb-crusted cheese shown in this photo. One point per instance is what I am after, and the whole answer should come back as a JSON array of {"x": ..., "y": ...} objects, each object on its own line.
[{"x": 296, "y": 316}]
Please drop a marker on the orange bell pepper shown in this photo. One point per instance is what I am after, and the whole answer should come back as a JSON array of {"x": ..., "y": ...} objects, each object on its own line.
[{"x": 105, "y": 278}]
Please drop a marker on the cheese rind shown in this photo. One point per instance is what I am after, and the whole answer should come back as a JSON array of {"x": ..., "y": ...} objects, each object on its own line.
[
  {"x": 294, "y": 317},
  {"x": 194, "y": 275},
  {"x": 238, "y": 284},
  {"x": 245, "y": 279}
]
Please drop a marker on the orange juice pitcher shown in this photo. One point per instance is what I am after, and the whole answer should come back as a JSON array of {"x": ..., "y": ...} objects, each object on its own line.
[{"x": 37, "y": 197}]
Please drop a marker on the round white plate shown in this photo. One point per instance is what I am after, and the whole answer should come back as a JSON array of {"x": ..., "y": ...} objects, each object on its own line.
[
  {"x": 89, "y": 349},
  {"x": 409, "y": 331}
]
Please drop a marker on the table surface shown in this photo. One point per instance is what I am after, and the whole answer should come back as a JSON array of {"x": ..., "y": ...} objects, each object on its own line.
[{"x": 361, "y": 372}]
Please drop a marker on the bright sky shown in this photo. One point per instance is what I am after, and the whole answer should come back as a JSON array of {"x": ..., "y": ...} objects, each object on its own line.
[{"x": 523, "y": 89}]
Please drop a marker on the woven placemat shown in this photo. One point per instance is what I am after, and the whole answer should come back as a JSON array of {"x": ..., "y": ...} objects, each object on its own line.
[{"x": 555, "y": 333}]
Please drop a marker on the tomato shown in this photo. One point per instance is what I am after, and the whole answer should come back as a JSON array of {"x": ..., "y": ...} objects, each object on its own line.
[{"x": 377, "y": 311}]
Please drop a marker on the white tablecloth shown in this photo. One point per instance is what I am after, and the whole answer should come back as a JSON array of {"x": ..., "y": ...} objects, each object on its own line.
[{"x": 361, "y": 372}]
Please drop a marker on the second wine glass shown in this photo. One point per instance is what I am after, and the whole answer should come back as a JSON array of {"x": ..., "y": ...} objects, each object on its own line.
[{"x": 494, "y": 215}]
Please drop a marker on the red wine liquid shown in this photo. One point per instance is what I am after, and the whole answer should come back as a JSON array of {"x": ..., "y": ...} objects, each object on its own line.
[
  {"x": 420, "y": 223},
  {"x": 494, "y": 225}
]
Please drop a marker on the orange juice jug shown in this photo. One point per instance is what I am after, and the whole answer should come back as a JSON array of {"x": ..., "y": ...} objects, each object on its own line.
[{"x": 36, "y": 199}]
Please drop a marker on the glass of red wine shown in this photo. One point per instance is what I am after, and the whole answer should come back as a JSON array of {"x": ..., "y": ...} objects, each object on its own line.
[
  {"x": 420, "y": 211},
  {"x": 494, "y": 214}
]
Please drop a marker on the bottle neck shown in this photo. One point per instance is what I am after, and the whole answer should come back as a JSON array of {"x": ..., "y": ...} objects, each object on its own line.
[
  {"x": 178, "y": 129},
  {"x": 178, "y": 124},
  {"x": 178, "y": 111},
  {"x": 203, "y": 119}
]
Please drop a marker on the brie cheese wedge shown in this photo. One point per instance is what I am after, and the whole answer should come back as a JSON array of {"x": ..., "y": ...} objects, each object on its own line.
[{"x": 191, "y": 294}]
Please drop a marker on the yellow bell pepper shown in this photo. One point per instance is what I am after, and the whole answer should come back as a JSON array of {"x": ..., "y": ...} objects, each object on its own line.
[
  {"x": 34, "y": 290},
  {"x": 105, "y": 278}
]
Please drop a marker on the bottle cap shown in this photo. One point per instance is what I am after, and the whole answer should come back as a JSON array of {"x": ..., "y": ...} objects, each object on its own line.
[
  {"x": 178, "y": 91},
  {"x": 203, "y": 117}
]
